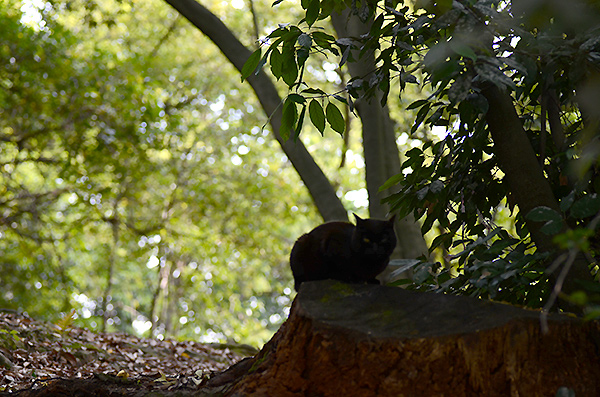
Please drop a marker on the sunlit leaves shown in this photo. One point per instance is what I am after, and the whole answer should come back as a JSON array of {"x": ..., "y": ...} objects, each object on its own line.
[
  {"x": 324, "y": 40},
  {"x": 291, "y": 124},
  {"x": 174, "y": 159},
  {"x": 287, "y": 54}
]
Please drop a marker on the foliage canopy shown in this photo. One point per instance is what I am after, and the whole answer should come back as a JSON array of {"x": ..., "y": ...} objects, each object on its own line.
[
  {"x": 514, "y": 85},
  {"x": 135, "y": 187}
]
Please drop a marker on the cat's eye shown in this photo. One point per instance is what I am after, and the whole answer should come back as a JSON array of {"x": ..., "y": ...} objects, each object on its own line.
[{"x": 366, "y": 240}]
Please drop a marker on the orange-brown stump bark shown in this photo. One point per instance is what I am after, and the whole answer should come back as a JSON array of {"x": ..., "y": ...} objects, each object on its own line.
[{"x": 369, "y": 340}]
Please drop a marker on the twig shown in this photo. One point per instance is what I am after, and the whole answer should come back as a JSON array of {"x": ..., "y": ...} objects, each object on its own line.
[{"x": 568, "y": 260}]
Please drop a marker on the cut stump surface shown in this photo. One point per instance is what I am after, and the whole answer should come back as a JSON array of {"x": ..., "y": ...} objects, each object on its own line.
[{"x": 370, "y": 340}]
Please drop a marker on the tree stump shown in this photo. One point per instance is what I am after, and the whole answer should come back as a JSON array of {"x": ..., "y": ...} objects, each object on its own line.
[{"x": 370, "y": 340}]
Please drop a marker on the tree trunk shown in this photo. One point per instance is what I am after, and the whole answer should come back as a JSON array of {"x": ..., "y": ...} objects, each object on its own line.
[
  {"x": 368, "y": 340},
  {"x": 524, "y": 175},
  {"x": 382, "y": 158},
  {"x": 375, "y": 118},
  {"x": 322, "y": 192},
  {"x": 518, "y": 161}
]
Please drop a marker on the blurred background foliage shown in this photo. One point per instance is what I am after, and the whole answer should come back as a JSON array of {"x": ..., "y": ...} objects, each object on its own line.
[{"x": 138, "y": 185}]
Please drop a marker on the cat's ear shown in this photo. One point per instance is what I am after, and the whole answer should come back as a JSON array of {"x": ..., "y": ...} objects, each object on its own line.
[
  {"x": 358, "y": 218},
  {"x": 392, "y": 219}
]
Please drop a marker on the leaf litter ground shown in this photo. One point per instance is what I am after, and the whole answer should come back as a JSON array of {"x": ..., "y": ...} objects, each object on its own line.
[{"x": 35, "y": 354}]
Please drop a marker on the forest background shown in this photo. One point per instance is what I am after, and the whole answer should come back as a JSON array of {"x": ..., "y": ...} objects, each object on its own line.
[
  {"x": 144, "y": 190},
  {"x": 140, "y": 191}
]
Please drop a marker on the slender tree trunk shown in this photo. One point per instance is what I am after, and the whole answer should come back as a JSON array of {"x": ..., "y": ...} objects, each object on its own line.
[
  {"x": 154, "y": 304},
  {"x": 375, "y": 118},
  {"x": 167, "y": 293},
  {"x": 112, "y": 260},
  {"x": 322, "y": 192},
  {"x": 382, "y": 158}
]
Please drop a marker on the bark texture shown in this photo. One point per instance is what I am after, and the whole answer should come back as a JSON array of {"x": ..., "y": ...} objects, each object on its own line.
[
  {"x": 368, "y": 340},
  {"x": 329, "y": 205}
]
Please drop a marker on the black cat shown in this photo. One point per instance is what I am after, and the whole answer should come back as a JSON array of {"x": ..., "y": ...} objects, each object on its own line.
[{"x": 342, "y": 251}]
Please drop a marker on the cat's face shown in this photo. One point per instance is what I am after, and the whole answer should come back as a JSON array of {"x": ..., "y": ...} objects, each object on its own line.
[{"x": 374, "y": 237}]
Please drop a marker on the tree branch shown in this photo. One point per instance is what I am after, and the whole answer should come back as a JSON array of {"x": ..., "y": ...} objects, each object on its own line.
[{"x": 319, "y": 187}]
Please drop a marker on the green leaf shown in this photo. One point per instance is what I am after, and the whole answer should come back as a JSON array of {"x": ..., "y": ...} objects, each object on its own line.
[
  {"x": 317, "y": 115},
  {"x": 444, "y": 240},
  {"x": 586, "y": 206},
  {"x": 281, "y": 31},
  {"x": 553, "y": 221},
  {"x": 543, "y": 214},
  {"x": 302, "y": 56},
  {"x": 552, "y": 227},
  {"x": 300, "y": 123},
  {"x": 251, "y": 64},
  {"x": 417, "y": 104},
  {"x": 288, "y": 119},
  {"x": 499, "y": 245},
  {"x": 461, "y": 48},
  {"x": 436, "y": 56},
  {"x": 393, "y": 181},
  {"x": 335, "y": 118},
  {"x": 296, "y": 98},
  {"x": 289, "y": 66},
  {"x": 305, "y": 40},
  {"x": 314, "y": 91},
  {"x": 567, "y": 201},
  {"x": 323, "y": 39},
  {"x": 276, "y": 63},
  {"x": 376, "y": 26},
  {"x": 312, "y": 12},
  {"x": 420, "y": 117},
  {"x": 261, "y": 63}
]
